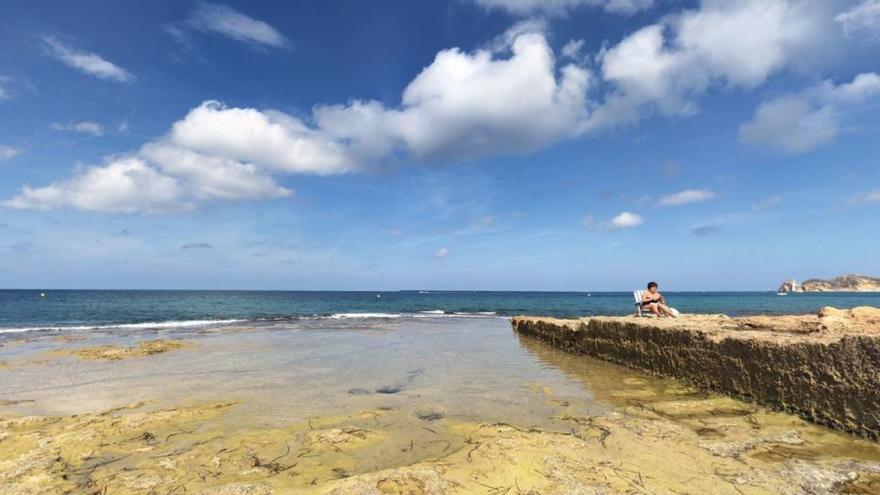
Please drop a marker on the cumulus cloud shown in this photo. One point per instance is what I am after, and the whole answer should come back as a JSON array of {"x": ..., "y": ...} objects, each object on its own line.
[
  {"x": 560, "y": 7},
  {"x": 442, "y": 252},
  {"x": 208, "y": 177},
  {"x": 797, "y": 123},
  {"x": 663, "y": 67},
  {"x": 686, "y": 196},
  {"x": 84, "y": 127},
  {"x": 862, "y": 19},
  {"x": 7, "y": 151},
  {"x": 513, "y": 96},
  {"x": 273, "y": 139},
  {"x": 89, "y": 63},
  {"x": 460, "y": 106},
  {"x": 125, "y": 184},
  {"x": 158, "y": 178},
  {"x": 626, "y": 220},
  {"x": 224, "y": 20}
]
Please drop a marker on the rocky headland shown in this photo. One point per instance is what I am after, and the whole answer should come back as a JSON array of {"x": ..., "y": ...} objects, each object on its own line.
[{"x": 843, "y": 283}]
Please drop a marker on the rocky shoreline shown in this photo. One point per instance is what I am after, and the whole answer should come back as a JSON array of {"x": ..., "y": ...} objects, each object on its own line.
[{"x": 825, "y": 368}]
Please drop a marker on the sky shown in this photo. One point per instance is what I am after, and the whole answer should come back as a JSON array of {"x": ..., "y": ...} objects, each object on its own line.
[{"x": 578, "y": 145}]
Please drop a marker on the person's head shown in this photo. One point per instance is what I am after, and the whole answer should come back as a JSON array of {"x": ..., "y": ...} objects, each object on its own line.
[{"x": 652, "y": 287}]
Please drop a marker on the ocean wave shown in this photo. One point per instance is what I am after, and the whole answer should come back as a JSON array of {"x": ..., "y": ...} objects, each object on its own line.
[
  {"x": 108, "y": 326},
  {"x": 341, "y": 316},
  {"x": 430, "y": 313},
  {"x": 437, "y": 313}
]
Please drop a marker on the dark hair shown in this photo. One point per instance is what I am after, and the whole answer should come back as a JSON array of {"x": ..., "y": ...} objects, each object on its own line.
[{"x": 652, "y": 284}]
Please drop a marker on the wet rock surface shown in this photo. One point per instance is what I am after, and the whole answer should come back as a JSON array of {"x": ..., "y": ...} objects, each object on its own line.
[
  {"x": 824, "y": 367},
  {"x": 640, "y": 448},
  {"x": 115, "y": 352}
]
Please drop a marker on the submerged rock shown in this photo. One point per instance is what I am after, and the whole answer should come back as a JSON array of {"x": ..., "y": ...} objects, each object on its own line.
[
  {"x": 114, "y": 353},
  {"x": 389, "y": 389}
]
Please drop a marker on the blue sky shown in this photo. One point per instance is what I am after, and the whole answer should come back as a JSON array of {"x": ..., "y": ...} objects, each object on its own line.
[{"x": 473, "y": 144}]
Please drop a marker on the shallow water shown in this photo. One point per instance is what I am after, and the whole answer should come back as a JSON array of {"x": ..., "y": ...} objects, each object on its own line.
[{"x": 415, "y": 381}]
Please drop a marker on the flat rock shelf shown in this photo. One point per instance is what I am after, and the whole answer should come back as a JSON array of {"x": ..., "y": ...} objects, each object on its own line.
[{"x": 824, "y": 368}]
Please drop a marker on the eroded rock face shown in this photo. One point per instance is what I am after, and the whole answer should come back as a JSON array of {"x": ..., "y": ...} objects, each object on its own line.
[{"x": 824, "y": 368}]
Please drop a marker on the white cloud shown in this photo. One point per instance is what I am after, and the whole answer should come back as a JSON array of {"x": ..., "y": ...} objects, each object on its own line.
[
  {"x": 273, "y": 139},
  {"x": 664, "y": 67},
  {"x": 442, "y": 252},
  {"x": 460, "y": 106},
  {"x": 513, "y": 96},
  {"x": 125, "y": 184},
  {"x": 207, "y": 177},
  {"x": 873, "y": 196},
  {"x": 159, "y": 178},
  {"x": 560, "y": 7},
  {"x": 686, "y": 196},
  {"x": 224, "y": 20},
  {"x": 797, "y": 123},
  {"x": 90, "y": 63},
  {"x": 7, "y": 151},
  {"x": 626, "y": 220},
  {"x": 84, "y": 127},
  {"x": 573, "y": 49},
  {"x": 862, "y": 19}
]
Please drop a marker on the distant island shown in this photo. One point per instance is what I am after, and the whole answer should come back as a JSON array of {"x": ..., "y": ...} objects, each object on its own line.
[{"x": 843, "y": 283}]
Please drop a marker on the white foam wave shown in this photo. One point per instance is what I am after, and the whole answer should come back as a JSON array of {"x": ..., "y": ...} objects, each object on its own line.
[
  {"x": 145, "y": 325},
  {"x": 340, "y": 316}
]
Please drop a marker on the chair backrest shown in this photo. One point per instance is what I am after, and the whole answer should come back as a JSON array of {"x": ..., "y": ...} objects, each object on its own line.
[{"x": 637, "y": 295}]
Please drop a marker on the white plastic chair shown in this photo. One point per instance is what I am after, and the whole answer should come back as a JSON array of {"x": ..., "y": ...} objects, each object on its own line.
[{"x": 640, "y": 310}]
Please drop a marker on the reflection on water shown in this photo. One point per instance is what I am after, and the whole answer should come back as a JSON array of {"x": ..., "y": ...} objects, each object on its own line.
[{"x": 407, "y": 391}]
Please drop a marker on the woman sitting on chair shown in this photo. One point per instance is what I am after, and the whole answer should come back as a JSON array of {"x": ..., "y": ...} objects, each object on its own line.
[{"x": 654, "y": 302}]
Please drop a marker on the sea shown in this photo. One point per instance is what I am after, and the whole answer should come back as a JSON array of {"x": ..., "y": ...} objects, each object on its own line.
[{"x": 61, "y": 311}]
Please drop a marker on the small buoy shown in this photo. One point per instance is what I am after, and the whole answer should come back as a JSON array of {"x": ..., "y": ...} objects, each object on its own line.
[
  {"x": 378, "y": 295},
  {"x": 42, "y": 294}
]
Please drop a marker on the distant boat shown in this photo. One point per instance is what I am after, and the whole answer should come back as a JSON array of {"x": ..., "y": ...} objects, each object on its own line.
[{"x": 782, "y": 293}]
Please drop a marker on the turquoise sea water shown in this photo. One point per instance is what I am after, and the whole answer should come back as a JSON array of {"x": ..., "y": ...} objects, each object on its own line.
[{"x": 67, "y": 310}]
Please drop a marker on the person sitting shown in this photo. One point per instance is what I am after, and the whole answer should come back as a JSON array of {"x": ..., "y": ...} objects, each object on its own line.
[{"x": 654, "y": 302}]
